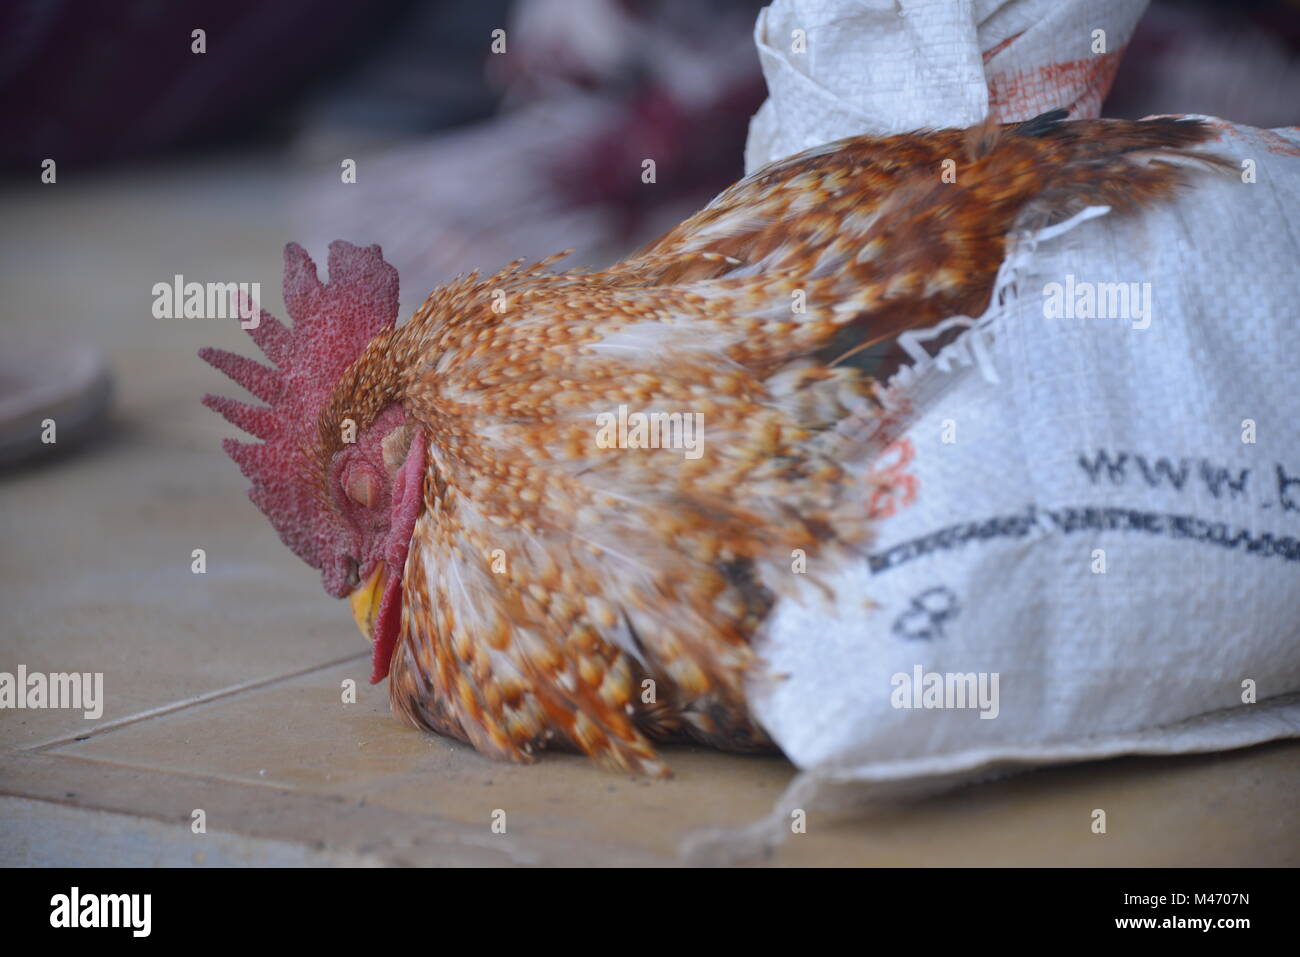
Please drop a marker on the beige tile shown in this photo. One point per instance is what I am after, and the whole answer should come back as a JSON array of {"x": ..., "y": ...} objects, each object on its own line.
[
  {"x": 95, "y": 575},
  {"x": 47, "y": 834},
  {"x": 95, "y": 547},
  {"x": 245, "y": 823},
  {"x": 299, "y": 736},
  {"x": 79, "y": 260}
]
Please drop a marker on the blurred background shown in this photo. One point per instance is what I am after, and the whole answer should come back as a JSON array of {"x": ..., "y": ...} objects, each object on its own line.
[
  {"x": 468, "y": 155},
  {"x": 173, "y": 160},
  {"x": 482, "y": 131}
]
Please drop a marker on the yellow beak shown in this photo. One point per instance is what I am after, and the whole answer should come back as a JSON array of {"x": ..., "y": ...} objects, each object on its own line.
[{"x": 365, "y": 601}]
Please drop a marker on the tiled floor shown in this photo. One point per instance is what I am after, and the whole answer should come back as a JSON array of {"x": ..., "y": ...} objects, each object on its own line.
[{"x": 224, "y": 690}]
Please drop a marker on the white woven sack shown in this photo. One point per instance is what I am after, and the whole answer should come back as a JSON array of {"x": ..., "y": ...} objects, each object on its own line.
[
  {"x": 1105, "y": 531},
  {"x": 1102, "y": 555}
]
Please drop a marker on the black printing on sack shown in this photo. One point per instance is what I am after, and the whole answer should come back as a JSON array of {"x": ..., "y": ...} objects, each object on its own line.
[
  {"x": 1087, "y": 518},
  {"x": 928, "y": 612}
]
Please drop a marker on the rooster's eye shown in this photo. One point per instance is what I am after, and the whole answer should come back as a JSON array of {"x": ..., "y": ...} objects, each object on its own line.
[{"x": 362, "y": 486}]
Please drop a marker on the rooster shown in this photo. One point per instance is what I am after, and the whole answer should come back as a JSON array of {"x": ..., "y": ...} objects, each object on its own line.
[{"x": 526, "y": 585}]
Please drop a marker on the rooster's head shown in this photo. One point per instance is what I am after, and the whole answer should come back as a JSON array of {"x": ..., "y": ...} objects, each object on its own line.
[{"x": 338, "y": 472}]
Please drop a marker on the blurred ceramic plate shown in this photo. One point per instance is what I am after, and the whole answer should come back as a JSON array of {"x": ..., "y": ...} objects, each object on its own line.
[{"x": 69, "y": 387}]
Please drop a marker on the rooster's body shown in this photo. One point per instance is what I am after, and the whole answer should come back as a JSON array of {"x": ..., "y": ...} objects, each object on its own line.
[{"x": 527, "y": 585}]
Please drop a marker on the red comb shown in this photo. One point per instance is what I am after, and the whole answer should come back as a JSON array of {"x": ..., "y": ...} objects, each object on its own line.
[{"x": 332, "y": 324}]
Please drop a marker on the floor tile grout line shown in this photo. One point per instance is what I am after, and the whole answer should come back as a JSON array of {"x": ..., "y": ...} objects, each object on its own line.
[
  {"x": 448, "y": 830},
  {"x": 189, "y": 703},
  {"x": 70, "y": 759}
]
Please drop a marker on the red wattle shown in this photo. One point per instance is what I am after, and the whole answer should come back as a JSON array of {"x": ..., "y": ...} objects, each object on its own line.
[
  {"x": 408, "y": 500},
  {"x": 388, "y": 626}
]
